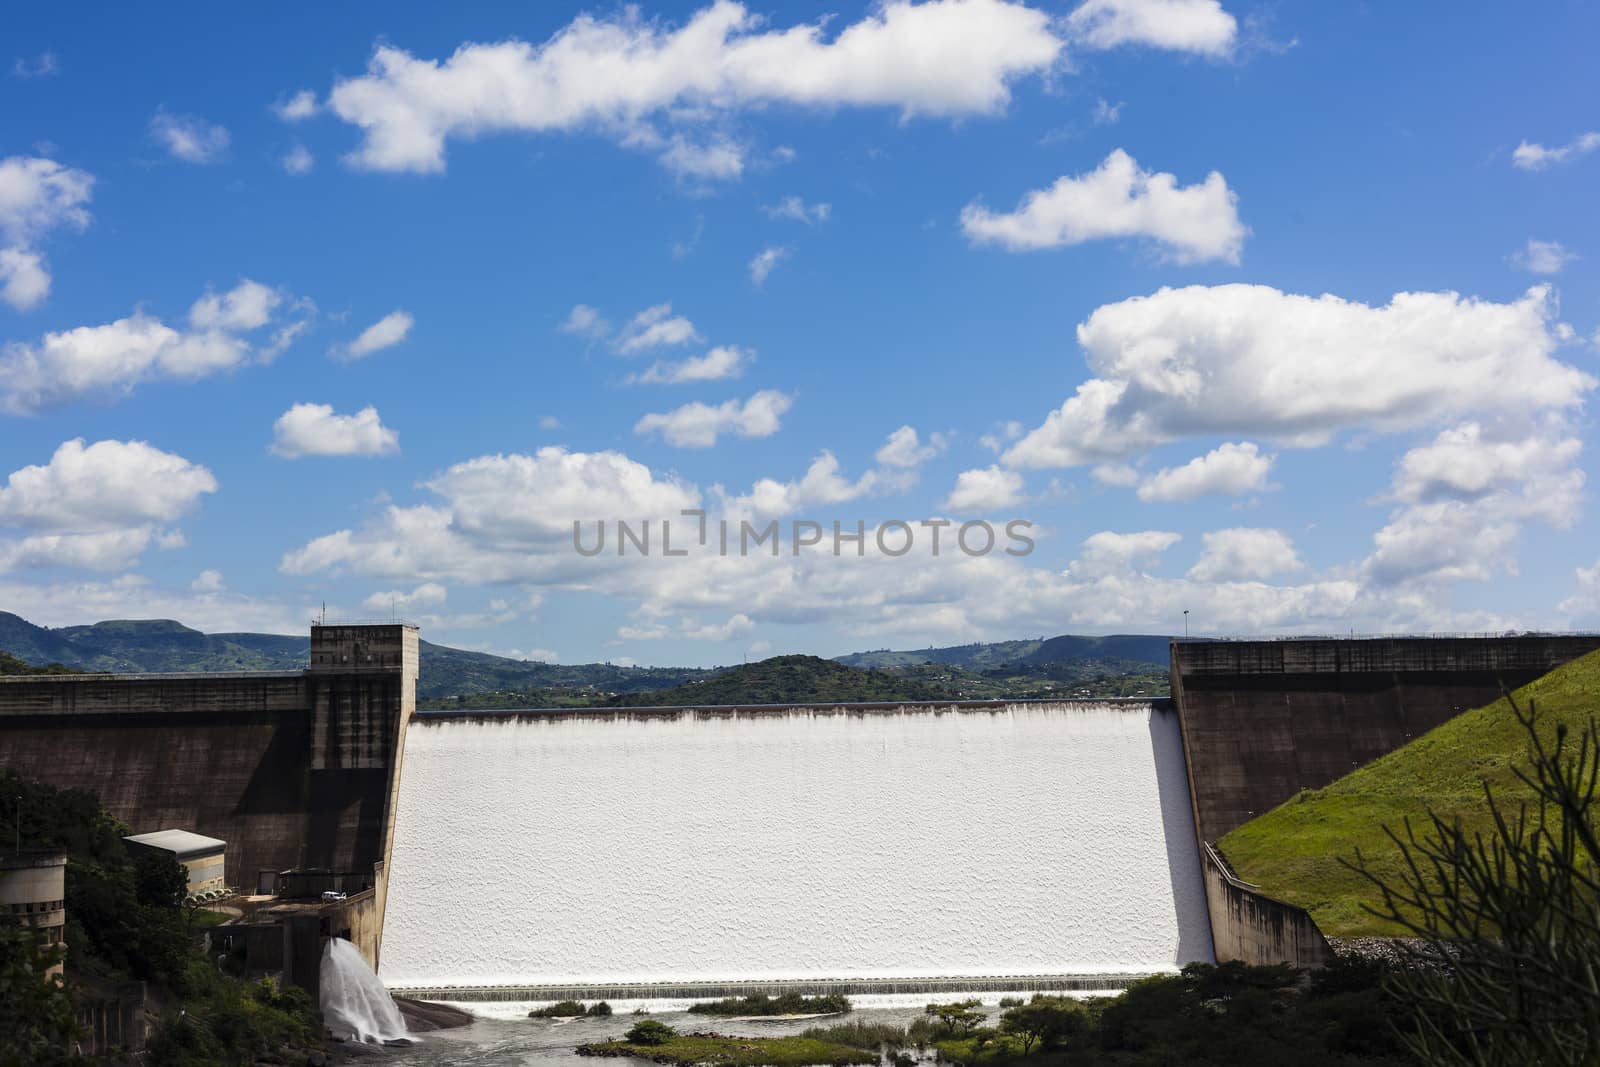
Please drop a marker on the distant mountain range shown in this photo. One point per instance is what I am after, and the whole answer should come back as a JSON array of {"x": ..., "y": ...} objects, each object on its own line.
[{"x": 1004, "y": 668}]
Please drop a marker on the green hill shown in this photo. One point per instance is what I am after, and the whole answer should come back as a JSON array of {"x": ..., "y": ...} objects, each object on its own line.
[
  {"x": 1146, "y": 649},
  {"x": 789, "y": 679},
  {"x": 1293, "y": 851}
]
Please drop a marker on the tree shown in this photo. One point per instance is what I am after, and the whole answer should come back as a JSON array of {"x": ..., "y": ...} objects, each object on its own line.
[
  {"x": 1507, "y": 964},
  {"x": 35, "y": 1012},
  {"x": 1046, "y": 1021},
  {"x": 957, "y": 1018}
]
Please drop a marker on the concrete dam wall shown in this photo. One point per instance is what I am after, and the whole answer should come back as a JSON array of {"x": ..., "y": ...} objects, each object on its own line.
[
  {"x": 1263, "y": 720},
  {"x": 843, "y": 843},
  {"x": 292, "y": 769}
]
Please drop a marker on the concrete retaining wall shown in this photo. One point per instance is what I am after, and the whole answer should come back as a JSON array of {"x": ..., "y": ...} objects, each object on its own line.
[{"x": 1248, "y": 926}]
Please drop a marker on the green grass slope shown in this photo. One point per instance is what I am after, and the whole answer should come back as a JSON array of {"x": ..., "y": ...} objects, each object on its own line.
[{"x": 1293, "y": 851}]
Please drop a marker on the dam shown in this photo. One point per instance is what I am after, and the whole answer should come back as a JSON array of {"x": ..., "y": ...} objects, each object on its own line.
[{"x": 857, "y": 847}]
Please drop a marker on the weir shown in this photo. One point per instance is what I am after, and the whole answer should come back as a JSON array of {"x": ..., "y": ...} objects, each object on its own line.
[{"x": 860, "y": 848}]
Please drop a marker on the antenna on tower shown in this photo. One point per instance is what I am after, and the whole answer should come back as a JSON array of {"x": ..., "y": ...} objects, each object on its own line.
[{"x": 322, "y": 620}]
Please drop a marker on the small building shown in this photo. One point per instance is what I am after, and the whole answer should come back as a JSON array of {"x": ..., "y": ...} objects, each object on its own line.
[
  {"x": 201, "y": 855},
  {"x": 33, "y": 892}
]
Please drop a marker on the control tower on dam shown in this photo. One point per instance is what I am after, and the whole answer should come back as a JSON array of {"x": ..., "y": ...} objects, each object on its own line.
[{"x": 850, "y": 847}]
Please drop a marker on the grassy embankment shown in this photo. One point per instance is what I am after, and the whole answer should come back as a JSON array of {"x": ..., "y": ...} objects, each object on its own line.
[{"x": 1293, "y": 852}]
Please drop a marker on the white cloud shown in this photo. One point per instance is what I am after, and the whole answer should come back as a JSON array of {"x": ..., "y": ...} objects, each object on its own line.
[
  {"x": 549, "y": 422},
  {"x": 1537, "y": 156},
  {"x": 1466, "y": 495},
  {"x": 618, "y": 75},
  {"x": 585, "y": 321},
  {"x": 764, "y": 261},
  {"x": 97, "y": 507},
  {"x": 1200, "y": 26},
  {"x": 426, "y": 595},
  {"x": 36, "y": 196},
  {"x": 688, "y": 628},
  {"x": 247, "y": 306},
  {"x": 385, "y": 333},
  {"x": 985, "y": 489},
  {"x": 1108, "y": 551},
  {"x": 1585, "y": 599},
  {"x": 1107, "y": 114},
  {"x": 114, "y": 357},
  {"x": 301, "y": 105},
  {"x": 1542, "y": 257},
  {"x": 1244, "y": 554},
  {"x": 101, "y": 486},
  {"x": 1120, "y": 475},
  {"x": 821, "y": 484},
  {"x": 24, "y": 282},
  {"x": 722, "y": 362},
  {"x": 1227, "y": 470},
  {"x": 208, "y": 581},
  {"x": 1193, "y": 223},
  {"x": 189, "y": 137},
  {"x": 792, "y": 207},
  {"x": 699, "y": 425},
  {"x": 904, "y": 449},
  {"x": 651, "y": 328},
  {"x": 130, "y": 596},
  {"x": 298, "y": 160},
  {"x": 718, "y": 159},
  {"x": 39, "y": 195},
  {"x": 1248, "y": 359},
  {"x": 40, "y": 66},
  {"x": 314, "y": 430}
]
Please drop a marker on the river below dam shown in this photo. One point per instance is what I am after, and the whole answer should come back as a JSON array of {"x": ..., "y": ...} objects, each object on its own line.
[{"x": 517, "y": 1041}]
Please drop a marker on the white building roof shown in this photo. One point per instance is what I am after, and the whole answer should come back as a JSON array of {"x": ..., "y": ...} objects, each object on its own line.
[{"x": 182, "y": 843}]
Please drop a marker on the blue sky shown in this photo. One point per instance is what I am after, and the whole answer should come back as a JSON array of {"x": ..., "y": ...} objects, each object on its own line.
[{"x": 1183, "y": 359}]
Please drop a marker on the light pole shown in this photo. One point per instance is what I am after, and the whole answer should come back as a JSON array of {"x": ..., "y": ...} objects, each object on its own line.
[{"x": 1186, "y": 624}]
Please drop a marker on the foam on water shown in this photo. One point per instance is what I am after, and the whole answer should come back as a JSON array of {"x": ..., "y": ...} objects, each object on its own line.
[{"x": 702, "y": 847}]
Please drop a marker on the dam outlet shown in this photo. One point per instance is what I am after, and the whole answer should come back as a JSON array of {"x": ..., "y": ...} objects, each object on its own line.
[{"x": 855, "y": 847}]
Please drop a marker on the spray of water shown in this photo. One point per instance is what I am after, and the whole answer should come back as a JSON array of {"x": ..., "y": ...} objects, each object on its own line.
[{"x": 355, "y": 1004}]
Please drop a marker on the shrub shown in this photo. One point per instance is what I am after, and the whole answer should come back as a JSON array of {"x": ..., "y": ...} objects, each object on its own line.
[
  {"x": 599, "y": 1008},
  {"x": 565, "y": 1009},
  {"x": 650, "y": 1032}
]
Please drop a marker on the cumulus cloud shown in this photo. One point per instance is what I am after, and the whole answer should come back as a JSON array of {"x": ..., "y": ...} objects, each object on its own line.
[
  {"x": 1585, "y": 599},
  {"x": 24, "y": 281},
  {"x": 1248, "y": 359},
  {"x": 113, "y": 358},
  {"x": 797, "y": 210},
  {"x": 822, "y": 483},
  {"x": 764, "y": 262},
  {"x": 585, "y": 321},
  {"x": 985, "y": 489},
  {"x": 1192, "y": 223},
  {"x": 208, "y": 581},
  {"x": 298, "y": 161},
  {"x": 1200, "y": 26},
  {"x": 713, "y": 160},
  {"x": 302, "y": 105},
  {"x": 1109, "y": 551},
  {"x": 651, "y": 328},
  {"x": 621, "y": 75},
  {"x": 426, "y": 595},
  {"x": 699, "y": 425},
  {"x": 189, "y": 137},
  {"x": 1542, "y": 257},
  {"x": 1244, "y": 554},
  {"x": 385, "y": 333},
  {"x": 1465, "y": 496},
  {"x": 905, "y": 449},
  {"x": 314, "y": 430},
  {"x": 724, "y": 361},
  {"x": 1227, "y": 470},
  {"x": 96, "y": 506},
  {"x": 1538, "y": 157},
  {"x": 36, "y": 196}
]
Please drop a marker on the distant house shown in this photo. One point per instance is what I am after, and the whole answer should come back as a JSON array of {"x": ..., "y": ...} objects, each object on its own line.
[{"x": 201, "y": 855}]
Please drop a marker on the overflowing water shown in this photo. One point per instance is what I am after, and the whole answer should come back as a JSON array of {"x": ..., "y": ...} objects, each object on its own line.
[
  {"x": 355, "y": 1004},
  {"x": 706, "y": 847}
]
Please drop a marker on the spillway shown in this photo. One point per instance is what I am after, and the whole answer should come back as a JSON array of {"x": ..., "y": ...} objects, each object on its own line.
[{"x": 850, "y": 844}]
